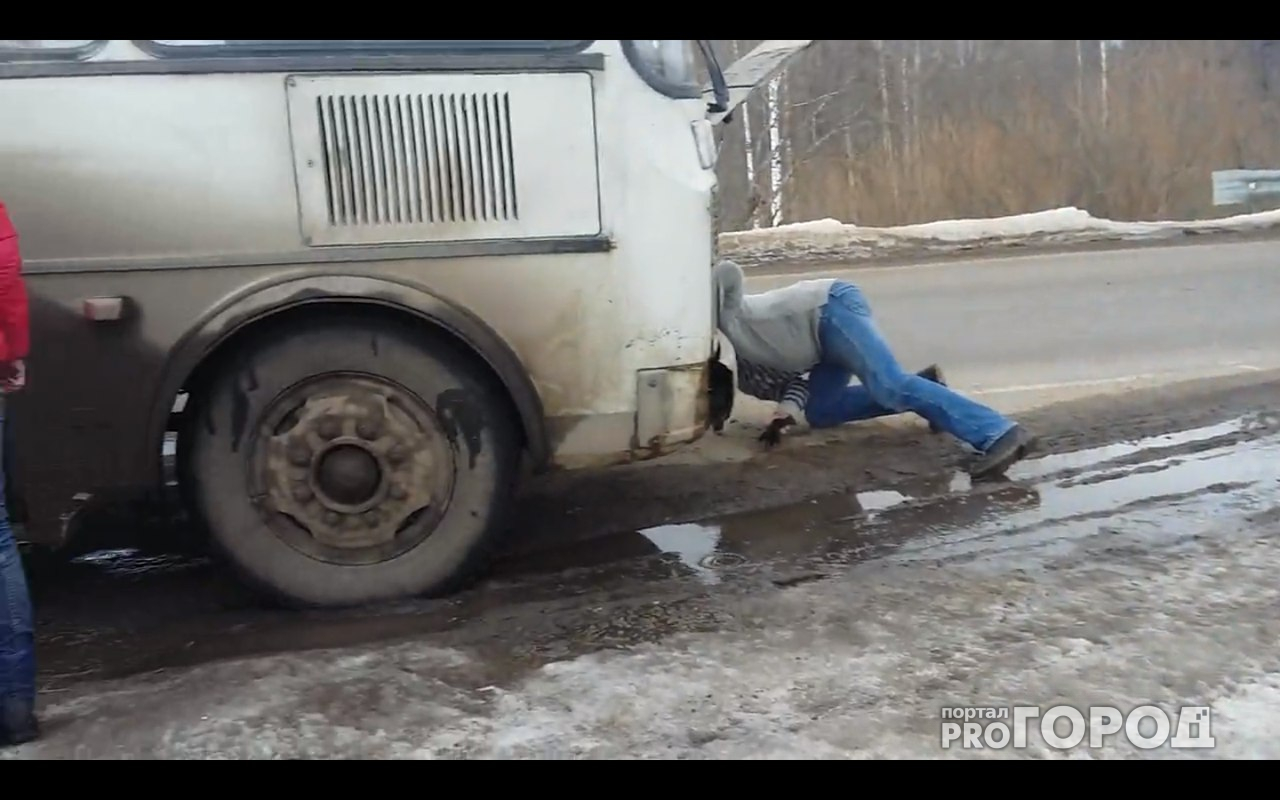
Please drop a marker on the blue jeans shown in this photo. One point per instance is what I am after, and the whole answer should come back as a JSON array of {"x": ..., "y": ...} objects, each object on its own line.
[
  {"x": 17, "y": 634},
  {"x": 852, "y": 345}
]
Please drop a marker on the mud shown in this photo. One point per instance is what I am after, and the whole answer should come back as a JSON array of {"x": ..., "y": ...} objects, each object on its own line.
[{"x": 647, "y": 534}]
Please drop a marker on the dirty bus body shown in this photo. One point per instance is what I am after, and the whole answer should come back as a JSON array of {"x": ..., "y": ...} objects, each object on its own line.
[{"x": 360, "y": 280}]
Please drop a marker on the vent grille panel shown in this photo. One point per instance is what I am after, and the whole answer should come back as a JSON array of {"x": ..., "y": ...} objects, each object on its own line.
[
  {"x": 409, "y": 159},
  {"x": 389, "y": 159}
]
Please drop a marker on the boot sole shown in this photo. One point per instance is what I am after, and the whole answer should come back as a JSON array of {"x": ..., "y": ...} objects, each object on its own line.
[{"x": 1027, "y": 444}]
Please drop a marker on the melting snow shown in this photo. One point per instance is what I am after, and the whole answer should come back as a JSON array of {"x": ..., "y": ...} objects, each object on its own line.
[{"x": 1060, "y": 225}]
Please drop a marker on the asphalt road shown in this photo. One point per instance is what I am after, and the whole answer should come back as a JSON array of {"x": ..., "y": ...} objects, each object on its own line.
[
  {"x": 824, "y": 600},
  {"x": 1021, "y": 330}
]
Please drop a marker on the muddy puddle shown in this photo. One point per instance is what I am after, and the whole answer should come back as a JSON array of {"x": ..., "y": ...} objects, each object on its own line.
[
  {"x": 145, "y": 614},
  {"x": 1157, "y": 484}
]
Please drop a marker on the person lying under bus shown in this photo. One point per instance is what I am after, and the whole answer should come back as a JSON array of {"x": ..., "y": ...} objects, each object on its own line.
[{"x": 823, "y": 328}]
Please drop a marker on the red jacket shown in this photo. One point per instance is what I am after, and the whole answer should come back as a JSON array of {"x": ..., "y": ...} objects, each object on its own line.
[{"x": 14, "y": 332}]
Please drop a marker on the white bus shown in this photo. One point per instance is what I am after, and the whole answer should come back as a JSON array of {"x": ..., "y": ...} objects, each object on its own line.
[{"x": 361, "y": 280}]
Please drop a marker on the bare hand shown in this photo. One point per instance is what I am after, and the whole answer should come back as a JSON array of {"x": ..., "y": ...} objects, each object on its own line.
[
  {"x": 13, "y": 376},
  {"x": 773, "y": 434}
]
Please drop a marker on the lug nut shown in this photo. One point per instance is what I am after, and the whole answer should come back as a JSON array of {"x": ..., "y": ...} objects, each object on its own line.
[
  {"x": 398, "y": 492},
  {"x": 372, "y": 519},
  {"x": 397, "y": 454},
  {"x": 369, "y": 428},
  {"x": 299, "y": 455},
  {"x": 331, "y": 518},
  {"x": 329, "y": 427},
  {"x": 302, "y": 493}
]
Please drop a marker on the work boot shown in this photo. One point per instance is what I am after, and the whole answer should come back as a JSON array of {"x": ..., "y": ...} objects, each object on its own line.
[
  {"x": 933, "y": 372},
  {"x": 17, "y": 723},
  {"x": 1007, "y": 450}
]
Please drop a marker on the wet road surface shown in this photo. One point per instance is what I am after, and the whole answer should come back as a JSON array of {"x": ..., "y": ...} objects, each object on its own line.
[{"x": 1131, "y": 562}]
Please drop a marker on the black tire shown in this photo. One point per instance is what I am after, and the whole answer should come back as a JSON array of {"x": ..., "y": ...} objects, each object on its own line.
[{"x": 482, "y": 437}]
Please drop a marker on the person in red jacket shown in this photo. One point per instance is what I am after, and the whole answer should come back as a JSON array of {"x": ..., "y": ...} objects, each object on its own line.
[{"x": 17, "y": 631}]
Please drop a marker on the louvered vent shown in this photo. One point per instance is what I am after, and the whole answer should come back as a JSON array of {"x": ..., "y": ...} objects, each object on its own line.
[
  {"x": 384, "y": 159},
  {"x": 404, "y": 159}
]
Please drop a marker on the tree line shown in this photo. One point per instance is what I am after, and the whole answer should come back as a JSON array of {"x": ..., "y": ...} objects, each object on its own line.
[{"x": 895, "y": 132}]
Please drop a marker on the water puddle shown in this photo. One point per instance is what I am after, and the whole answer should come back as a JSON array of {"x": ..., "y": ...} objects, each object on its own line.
[
  {"x": 831, "y": 529},
  {"x": 1161, "y": 500},
  {"x": 875, "y": 501},
  {"x": 694, "y": 545},
  {"x": 1150, "y": 488},
  {"x": 1061, "y": 462},
  {"x": 132, "y": 563}
]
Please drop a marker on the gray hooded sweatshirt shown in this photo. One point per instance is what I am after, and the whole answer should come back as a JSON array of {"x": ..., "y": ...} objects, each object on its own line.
[{"x": 774, "y": 335}]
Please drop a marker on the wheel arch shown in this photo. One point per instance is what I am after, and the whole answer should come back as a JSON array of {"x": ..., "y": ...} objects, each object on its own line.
[{"x": 197, "y": 355}]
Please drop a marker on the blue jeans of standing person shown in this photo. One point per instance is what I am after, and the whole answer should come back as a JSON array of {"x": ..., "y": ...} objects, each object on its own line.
[
  {"x": 17, "y": 635},
  {"x": 852, "y": 345}
]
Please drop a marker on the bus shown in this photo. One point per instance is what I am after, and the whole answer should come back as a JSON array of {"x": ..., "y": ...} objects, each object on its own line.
[{"x": 364, "y": 286}]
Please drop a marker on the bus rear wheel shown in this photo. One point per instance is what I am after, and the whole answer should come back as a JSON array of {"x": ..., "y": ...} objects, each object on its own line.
[{"x": 350, "y": 462}]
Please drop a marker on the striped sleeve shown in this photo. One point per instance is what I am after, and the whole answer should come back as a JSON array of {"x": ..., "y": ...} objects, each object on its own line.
[
  {"x": 795, "y": 397},
  {"x": 788, "y": 389},
  {"x": 760, "y": 382}
]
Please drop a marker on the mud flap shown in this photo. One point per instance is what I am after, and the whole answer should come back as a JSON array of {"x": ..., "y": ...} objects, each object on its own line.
[
  {"x": 720, "y": 391},
  {"x": 671, "y": 408}
]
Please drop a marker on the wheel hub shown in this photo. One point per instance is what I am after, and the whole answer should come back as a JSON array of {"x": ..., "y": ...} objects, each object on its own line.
[
  {"x": 347, "y": 475},
  {"x": 352, "y": 460}
]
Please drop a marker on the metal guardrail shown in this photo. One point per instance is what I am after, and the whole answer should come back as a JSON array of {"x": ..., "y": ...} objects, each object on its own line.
[{"x": 1233, "y": 187}]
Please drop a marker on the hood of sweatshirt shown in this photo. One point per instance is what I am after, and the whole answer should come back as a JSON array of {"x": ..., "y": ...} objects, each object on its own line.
[{"x": 727, "y": 279}]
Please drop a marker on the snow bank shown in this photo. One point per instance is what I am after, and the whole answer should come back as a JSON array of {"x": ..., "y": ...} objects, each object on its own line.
[{"x": 829, "y": 238}]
